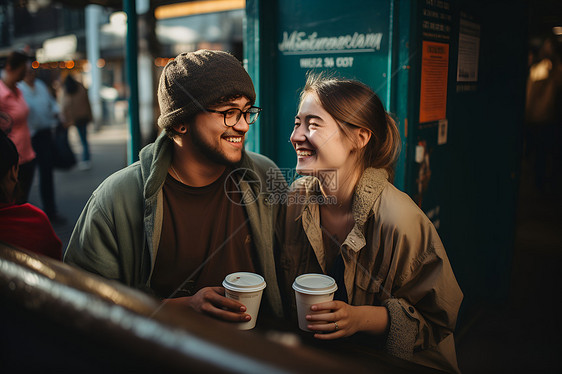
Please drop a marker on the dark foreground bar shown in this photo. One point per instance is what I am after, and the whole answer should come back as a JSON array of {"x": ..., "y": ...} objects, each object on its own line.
[{"x": 57, "y": 318}]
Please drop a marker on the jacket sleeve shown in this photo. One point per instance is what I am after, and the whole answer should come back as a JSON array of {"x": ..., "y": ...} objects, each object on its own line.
[
  {"x": 425, "y": 301},
  {"x": 93, "y": 245}
]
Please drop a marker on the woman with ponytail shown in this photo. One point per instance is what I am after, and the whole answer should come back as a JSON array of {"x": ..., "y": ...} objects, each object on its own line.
[{"x": 344, "y": 218}]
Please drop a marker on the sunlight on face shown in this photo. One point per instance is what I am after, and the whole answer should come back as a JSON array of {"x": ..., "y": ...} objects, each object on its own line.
[
  {"x": 215, "y": 141},
  {"x": 318, "y": 140}
]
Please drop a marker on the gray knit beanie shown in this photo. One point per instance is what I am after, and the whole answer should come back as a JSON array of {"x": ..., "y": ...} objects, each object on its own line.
[{"x": 193, "y": 81}]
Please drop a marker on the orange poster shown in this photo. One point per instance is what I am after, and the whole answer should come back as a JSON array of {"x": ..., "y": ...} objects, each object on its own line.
[{"x": 433, "y": 97}]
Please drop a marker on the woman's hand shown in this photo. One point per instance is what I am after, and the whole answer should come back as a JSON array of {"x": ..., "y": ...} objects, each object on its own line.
[
  {"x": 336, "y": 319},
  {"x": 211, "y": 301}
]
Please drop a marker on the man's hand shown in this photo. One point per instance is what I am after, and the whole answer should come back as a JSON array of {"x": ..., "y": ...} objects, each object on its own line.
[{"x": 211, "y": 301}]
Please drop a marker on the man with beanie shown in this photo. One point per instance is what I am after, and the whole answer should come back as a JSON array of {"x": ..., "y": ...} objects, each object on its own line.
[{"x": 195, "y": 207}]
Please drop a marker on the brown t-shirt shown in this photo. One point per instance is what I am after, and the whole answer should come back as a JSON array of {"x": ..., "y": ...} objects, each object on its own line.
[{"x": 205, "y": 236}]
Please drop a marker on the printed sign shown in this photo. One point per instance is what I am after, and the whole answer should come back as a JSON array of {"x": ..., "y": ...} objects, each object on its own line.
[
  {"x": 299, "y": 42},
  {"x": 469, "y": 45},
  {"x": 310, "y": 46},
  {"x": 442, "y": 131},
  {"x": 435, "y": 65}
]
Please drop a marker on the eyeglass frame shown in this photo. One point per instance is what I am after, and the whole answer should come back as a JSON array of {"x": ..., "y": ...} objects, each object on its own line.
[{"x": 241, "y": 113}]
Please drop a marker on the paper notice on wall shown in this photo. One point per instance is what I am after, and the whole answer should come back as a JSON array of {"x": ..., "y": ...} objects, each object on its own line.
[
  {"x": 442, "y": 131},
  {"x": 469, "y": 46},
  {"x": 433, "y": 96},
  {"x": 420, "y": 152}
]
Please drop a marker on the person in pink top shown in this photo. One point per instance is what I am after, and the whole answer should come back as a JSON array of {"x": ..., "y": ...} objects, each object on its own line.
[{"x": 13, "y": 104}]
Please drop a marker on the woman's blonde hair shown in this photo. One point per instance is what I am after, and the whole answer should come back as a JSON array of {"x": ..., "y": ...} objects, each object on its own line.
[{"x": 353, "y": 104}]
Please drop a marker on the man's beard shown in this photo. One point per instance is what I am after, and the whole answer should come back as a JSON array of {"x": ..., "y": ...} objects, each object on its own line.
[{"x": 208, "y": 151}]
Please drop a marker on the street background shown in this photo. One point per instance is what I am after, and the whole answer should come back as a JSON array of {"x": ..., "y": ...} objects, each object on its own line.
[{"x": 108, "y": 147}]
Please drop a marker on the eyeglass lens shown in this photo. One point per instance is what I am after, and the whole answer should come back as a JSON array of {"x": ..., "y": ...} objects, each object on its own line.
[{"x": 232, "y": 116}]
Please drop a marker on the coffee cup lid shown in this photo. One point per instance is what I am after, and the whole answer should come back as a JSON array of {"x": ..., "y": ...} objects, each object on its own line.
[
  {"x": 244, "y": 282},
  {"x": 315, "y": 284}
]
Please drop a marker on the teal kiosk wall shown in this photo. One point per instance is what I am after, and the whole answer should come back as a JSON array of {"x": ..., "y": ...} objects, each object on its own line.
[{"x": 453, "y": 75}]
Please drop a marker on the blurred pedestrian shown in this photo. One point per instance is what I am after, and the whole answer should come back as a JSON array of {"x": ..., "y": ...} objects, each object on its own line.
[
  {"x": 76, "y": 111},
  {"x": 22, "y": 225},
  {"x": 43, "y": 110},
  {"x": 13, "y": 104},
  {"x": 543, "y": 114}
]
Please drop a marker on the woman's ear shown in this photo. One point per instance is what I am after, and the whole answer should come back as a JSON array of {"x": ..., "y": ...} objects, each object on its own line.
[
  {"x": 8, "y": 183},
  {"x": 363, "y": 137},
  {"x": 13, "y": 174}
]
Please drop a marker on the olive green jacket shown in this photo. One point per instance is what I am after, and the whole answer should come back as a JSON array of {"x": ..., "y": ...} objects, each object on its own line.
[
  {"x": 393, "y": 257},
  {"x": 118, "y": 232}
]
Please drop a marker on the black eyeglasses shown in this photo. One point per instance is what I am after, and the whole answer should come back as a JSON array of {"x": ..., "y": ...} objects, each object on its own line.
[{"x": 232, "y": 116}]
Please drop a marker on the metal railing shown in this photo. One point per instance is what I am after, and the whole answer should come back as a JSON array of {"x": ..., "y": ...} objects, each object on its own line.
[{"x": 53, "y": 316}]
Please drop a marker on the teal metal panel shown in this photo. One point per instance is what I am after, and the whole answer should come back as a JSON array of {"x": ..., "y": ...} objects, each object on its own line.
[
  {"x": 391, "y": 55},
  {"x": 252, "y": 65},
  {"x": 132, "y": 79},
  {"x": 348, "y": 39},
  {"x": 402, "y": 56},
  {"x": 285, "y": 40},
  {"x": 260, "y": 60}
]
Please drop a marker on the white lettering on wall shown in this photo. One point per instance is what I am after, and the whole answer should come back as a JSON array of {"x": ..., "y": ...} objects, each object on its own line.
[
  {"x": 299, "y": 42},
  {"x": 326, "y": 62}
]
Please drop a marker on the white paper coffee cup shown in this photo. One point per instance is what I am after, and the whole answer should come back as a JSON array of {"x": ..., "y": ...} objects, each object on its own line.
[
  {"x": 246, "y": 288},
  {"x": 312, "y": 289}
]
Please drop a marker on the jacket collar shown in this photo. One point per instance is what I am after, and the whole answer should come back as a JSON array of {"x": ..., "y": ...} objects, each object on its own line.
[
  {"x": 155, "y": 159},
  {"x": 368, "y": 190}
]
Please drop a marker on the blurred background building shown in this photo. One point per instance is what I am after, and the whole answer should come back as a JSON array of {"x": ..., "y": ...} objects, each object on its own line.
[{"x": 88, "y": 40}]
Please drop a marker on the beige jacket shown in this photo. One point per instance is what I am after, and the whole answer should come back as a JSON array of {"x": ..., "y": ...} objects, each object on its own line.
[{"x": 393, "y": 257}]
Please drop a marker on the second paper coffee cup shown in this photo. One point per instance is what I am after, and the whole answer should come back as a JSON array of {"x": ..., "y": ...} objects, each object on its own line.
[
  {"x": 246, "y": 288},
  {"x": 312, "y": 289}
]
